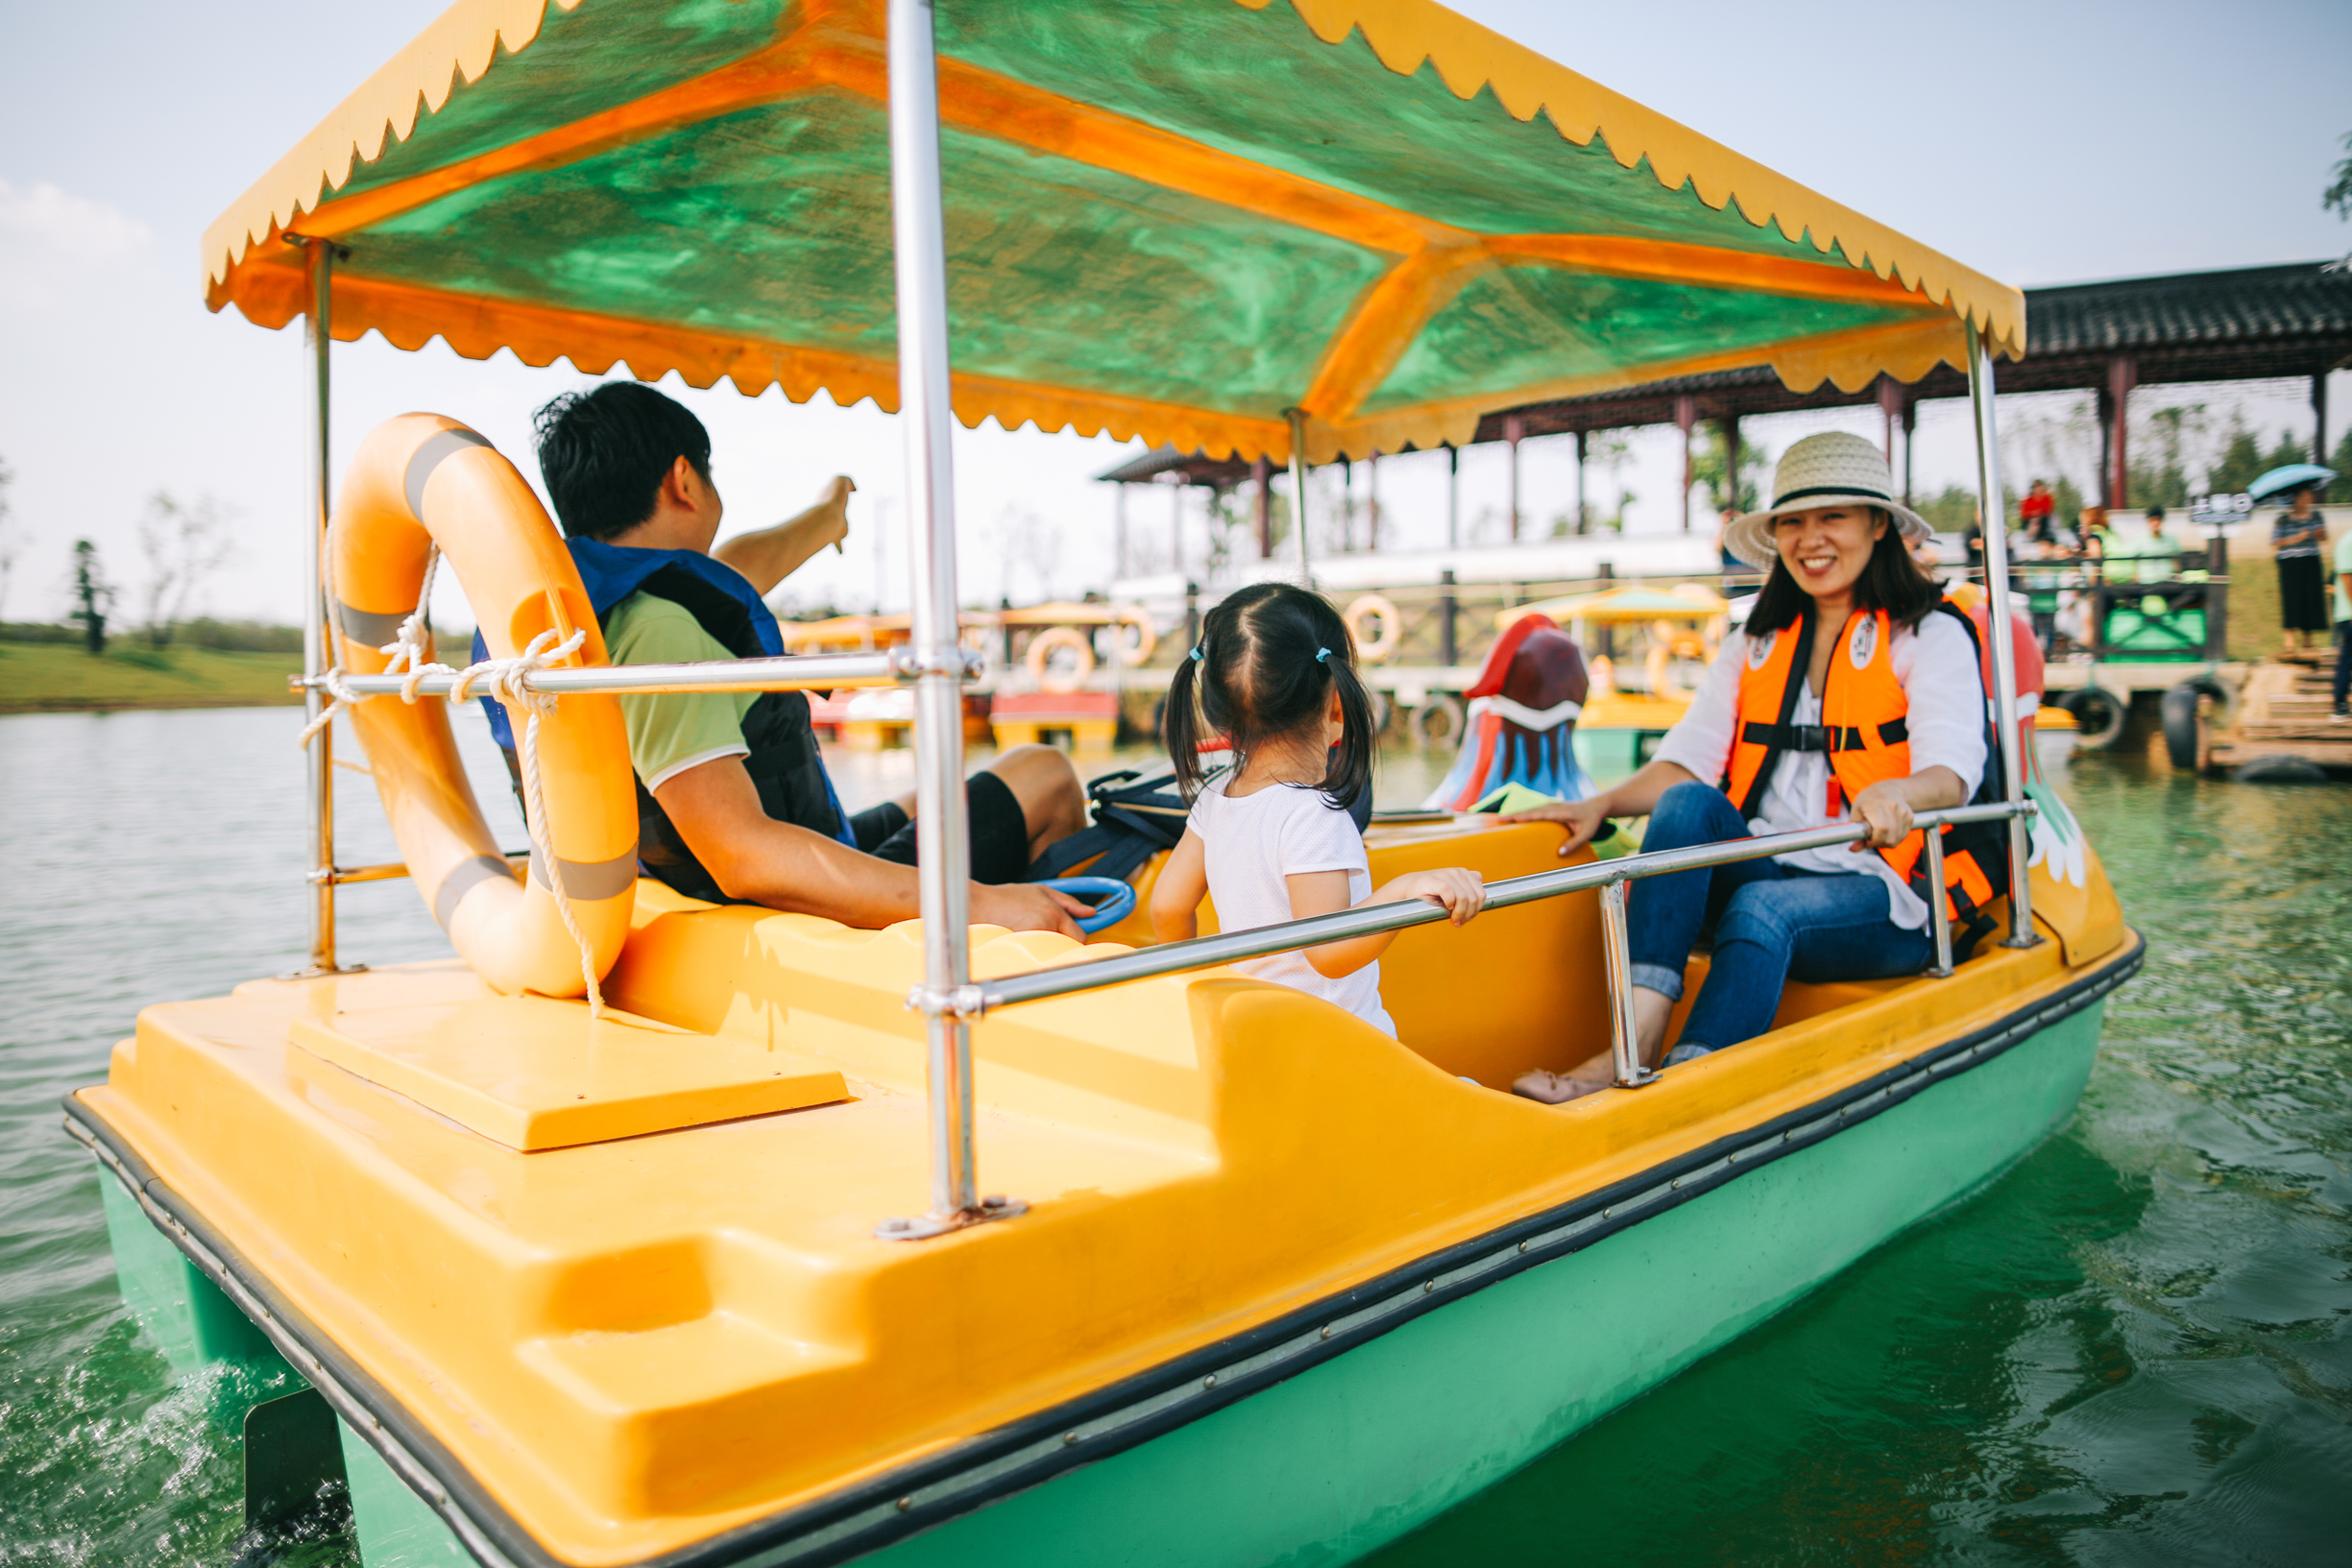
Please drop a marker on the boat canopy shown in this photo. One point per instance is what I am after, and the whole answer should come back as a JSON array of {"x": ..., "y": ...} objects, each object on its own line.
[{"x": 1169, "y": 219}]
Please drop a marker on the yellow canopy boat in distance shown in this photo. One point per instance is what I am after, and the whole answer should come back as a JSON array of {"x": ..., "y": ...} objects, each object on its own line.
[{"x": 700, "y": 1271}]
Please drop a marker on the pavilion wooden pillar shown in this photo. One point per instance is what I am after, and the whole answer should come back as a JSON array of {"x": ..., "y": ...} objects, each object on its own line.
[
  {"x": 1515, "y": 430},
  {"x": 1261, "y": 475},
  {"x": 1686, "y": 417},
  {"x": 1584, "y": 518},
  {"x": 2122, "y": 374},
  {"x": 1910, "y": 426},
  {"x": 1891, "y": 404},
  {"x": 1453, "y": 497},
  {"x": 2318, "y": 417},
  {"x": 1731, "y": 460}
]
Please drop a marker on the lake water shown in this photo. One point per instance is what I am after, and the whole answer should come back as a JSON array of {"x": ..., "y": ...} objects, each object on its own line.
[{"x": 2135, "y": 1348}]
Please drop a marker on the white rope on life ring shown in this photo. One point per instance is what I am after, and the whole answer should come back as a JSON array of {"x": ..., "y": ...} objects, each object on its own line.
[
  {"x": 1136, "y": 656},
  {"x": 1040, "y": 662},
  {"x": 1391, "y": 626}
]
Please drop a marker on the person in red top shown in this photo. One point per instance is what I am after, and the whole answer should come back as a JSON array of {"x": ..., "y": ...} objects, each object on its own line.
[{"x": 2035, "y": 508}]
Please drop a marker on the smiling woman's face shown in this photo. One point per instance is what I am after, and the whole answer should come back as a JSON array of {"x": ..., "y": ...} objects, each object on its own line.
[{"x": 1826, "y": 547}]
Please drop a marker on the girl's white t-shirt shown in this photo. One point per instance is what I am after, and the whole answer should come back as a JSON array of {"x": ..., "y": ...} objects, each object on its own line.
[{"x": 1251, "y": 844}]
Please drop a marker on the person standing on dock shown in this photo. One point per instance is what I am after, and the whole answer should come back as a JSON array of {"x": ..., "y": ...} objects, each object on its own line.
[
  {"x": 2295, "y": 541},
  {"x": 2343, "y": 626}
]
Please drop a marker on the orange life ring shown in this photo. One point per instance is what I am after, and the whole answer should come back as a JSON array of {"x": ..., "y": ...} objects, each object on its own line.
[
  {"x": 1041, "y": 651},
  {"x": 420, "y": 480},
  {"x": 1391, "y": 626}
]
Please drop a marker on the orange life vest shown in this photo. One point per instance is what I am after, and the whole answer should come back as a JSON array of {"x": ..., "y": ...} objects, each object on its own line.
[{"x": 1865, "y": 731}]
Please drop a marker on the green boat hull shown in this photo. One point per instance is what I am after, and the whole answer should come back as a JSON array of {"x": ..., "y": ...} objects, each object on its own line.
[{"x": 1350, "y": 1454}]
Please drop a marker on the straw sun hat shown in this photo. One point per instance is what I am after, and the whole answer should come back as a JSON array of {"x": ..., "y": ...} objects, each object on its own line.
[{"x": 1822, "y": 471}]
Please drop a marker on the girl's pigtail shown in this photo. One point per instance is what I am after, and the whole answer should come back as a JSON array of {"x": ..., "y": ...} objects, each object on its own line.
[
  {"x": 1349, "y": 778},
  {"x": 1180, "y": 724}
]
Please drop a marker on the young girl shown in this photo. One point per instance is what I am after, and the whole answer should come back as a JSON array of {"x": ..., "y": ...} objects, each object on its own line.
[{"x": 1275, "y": 675}]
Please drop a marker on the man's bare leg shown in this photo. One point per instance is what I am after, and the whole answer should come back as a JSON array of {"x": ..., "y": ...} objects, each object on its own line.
[{"x": 1042, "y": 778}]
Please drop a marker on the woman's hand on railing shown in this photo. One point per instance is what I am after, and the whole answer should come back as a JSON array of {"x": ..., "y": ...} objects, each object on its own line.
[
  {"x": 1582, "y": 818},
  {"x": 1886, "y": 812}
]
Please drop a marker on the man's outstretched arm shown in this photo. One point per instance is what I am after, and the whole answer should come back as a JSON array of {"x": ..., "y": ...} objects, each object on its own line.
[
  {"x": 717, "y": 810},
  {"x": 770, "y": 555}
]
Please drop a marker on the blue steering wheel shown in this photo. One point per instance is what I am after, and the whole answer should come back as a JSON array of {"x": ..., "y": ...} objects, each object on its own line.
[{"x": 1115, "y": 898}]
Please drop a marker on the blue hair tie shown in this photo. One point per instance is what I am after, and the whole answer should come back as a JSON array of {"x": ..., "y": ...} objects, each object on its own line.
[
  {"x": 1197, "y": 652},
  {"x": 1322, "y": 656}
]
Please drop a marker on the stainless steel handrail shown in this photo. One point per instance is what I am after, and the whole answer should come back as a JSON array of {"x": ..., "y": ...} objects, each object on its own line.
[
  {"x": 1210, "y": 952},
  {"x": 785, "y": 672}
]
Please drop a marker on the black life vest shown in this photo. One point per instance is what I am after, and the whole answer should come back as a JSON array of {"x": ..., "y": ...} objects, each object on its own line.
[{"x": 784, "y": 763}]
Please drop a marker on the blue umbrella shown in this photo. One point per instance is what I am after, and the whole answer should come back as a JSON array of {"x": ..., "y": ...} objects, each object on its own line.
[{"x": 2288, "y": 480}]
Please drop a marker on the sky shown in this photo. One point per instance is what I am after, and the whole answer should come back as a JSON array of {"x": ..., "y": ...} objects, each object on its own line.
[{"x": 2049, "y": 142}]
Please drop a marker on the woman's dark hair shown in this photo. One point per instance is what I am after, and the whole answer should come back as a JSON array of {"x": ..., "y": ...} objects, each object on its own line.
[
  {"x": 604, "y": 454},
  {"x": 1892, "y": 582},
  {"x": 1266, "y": 662}
]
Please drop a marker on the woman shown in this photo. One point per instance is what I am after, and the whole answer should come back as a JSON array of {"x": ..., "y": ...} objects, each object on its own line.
[
  {"x": 2296, "y": 538},
  {"x": 1850, "y": 641}
]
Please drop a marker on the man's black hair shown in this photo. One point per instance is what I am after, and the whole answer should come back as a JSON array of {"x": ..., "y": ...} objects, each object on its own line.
[
  {"x": 2156, "y": 513},
  {"x": 604, "y": 454}
]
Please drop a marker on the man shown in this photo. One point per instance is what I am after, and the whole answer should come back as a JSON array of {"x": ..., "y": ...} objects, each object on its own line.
[{"x": 733, "y": 799}]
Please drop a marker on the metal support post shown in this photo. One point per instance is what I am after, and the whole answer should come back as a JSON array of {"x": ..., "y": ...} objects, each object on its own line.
[
  {"x": 1298, "y": 489},
  {"x": 318, "y": 334},
  {"x": 1616, "y": 951},
  {"x": 1939, "y": 906},
  {"x": 2003, "y": 631},
  {"x": 943, "y": 854},
  {"x": 1687, "y": 419},
  {"x": 1261, "y": 479},
  {"x": 1448, "y": 609}
]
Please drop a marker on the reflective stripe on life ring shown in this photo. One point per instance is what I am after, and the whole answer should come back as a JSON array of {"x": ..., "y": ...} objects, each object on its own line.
[{"x": 420, "y": 480}]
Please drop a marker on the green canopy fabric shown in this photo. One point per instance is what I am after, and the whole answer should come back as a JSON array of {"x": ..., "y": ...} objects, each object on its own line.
[{"x": 1173, "y": 219}]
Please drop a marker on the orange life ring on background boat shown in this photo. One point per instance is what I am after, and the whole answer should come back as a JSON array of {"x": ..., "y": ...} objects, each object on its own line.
[
  {"x": 420, "y": 480},
  {"x": 1040, "y": 662}
]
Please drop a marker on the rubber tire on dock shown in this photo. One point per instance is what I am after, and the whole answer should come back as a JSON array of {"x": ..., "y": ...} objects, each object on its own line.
[
  {"x": 2183, "y": 742},
  {"x": 1438, "y": 721},
  {"x": 2101, "y": 713}
]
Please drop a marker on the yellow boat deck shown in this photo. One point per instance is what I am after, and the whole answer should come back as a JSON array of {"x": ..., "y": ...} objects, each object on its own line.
[{"x": 671, "y": 1316}]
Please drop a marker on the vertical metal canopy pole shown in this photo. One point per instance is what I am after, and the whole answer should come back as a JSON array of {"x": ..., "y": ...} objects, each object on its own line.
[
  {"x": 1299, "y": 490},
  {"x": 2001, "y": 628},
  {"x": 942, "y": 850},
  {"x": 317, "y": 334}
]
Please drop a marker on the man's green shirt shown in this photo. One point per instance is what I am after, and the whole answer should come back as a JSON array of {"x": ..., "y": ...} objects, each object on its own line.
[{"x": 671, "y": 732}]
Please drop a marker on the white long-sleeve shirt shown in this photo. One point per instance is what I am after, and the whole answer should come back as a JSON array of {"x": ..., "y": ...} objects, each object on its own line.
[{"x": 1936, "y": 667}]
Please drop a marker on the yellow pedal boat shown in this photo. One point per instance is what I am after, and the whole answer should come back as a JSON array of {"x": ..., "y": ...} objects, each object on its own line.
[{"x": 707, "y": 1273}]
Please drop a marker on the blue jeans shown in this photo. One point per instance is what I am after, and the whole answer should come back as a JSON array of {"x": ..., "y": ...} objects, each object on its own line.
[{"x": 1771, "y": 922}]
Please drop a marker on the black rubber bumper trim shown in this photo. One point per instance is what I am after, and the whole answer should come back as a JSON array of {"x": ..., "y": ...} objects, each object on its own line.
[{"x": 1110, "y": 1420}]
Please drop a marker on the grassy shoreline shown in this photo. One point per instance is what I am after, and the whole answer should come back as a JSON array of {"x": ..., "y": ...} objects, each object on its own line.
[{"x": 59, "y": 677}]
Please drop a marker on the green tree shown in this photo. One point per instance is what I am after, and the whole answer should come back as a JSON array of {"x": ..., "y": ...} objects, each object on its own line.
[
  {"x": 93, "y": 595},
  {"x": 2338, "y": 197},
  {"x": 1951, "y": 510},
  {"x": 2165, "y": 441},
  {"x": 2342, "y": 490},
  {"x": 2241, "y": 461},
  {"x": 1710, "y": 458}
]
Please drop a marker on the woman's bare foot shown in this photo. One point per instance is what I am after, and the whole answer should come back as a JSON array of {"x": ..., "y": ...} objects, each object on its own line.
[{"x": 1554, "y": 1088}]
